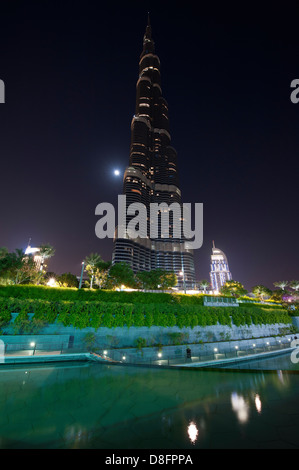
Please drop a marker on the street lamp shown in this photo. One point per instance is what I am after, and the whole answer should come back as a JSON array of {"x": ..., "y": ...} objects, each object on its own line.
[
  {"x": 81, "y": 277},
  {"x": 182, "y": 273}
]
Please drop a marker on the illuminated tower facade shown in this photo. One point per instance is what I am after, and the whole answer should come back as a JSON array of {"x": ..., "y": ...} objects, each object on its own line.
[
  {"x": 220, "y": 272},
  {"x": 152, "y": 176}
]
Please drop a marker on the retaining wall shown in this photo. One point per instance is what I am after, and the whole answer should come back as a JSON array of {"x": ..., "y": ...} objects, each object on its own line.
[{"x": 126, "y": 337}]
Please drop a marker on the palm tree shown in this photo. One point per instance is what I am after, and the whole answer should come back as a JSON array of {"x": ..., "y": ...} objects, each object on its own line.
[
  {"x": 3, "y": 252},
  {"x": 91, "y": 263},
  {"x": 204, "y": 285},
  {"x": 260, "y": 291},
  {"x": 46, "y": 251},
  {"x": 21, "y": 268},
  {"x": 294, "y": 285},
  {"x": 281, "y": 284}
]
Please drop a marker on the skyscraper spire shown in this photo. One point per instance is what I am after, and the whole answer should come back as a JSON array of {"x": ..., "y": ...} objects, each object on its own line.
[
  {"x": 148, "y": 32},
  {"x": 148, "y": 43}
]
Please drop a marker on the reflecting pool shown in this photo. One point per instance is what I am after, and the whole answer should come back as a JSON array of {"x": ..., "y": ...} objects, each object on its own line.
[{"x": 89, "y": 405}]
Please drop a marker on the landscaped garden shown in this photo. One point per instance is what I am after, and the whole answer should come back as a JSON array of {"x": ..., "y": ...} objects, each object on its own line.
[{"x": 101, "y": 308}]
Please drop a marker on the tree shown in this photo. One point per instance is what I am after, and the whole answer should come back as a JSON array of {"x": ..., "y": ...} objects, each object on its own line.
[
  {"x": 281, "y": 284},
  {"x": 233, "y": 288},
  {"x": 277, "y": 295},
  {"x": 18, "y": 268},
  {"x": 168, "y": 280},
  {"x": 3, "y": 252},
  {"x": 261, "y": 291},
  {"x": 91, "y": 263},
  {"x": 46, "y": 251},
  {"x": 67, "y": 280},
  {"x": 149, "y": 280},
  {"x": 157, "y": 279},
  {"x": 121, "y": 274},
  {"x": 101, "y": 273},
  {"x": 294, "y": 285},
  {"x": 5, "y": 264},
  {"x": 204, "y": 284}
]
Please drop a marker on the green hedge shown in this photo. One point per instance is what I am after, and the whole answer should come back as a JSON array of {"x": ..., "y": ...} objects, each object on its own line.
[
  {"x": 73, "y": 294},
  {"x": 264, "y": 305},
  {"x": 82, "y": 314}
]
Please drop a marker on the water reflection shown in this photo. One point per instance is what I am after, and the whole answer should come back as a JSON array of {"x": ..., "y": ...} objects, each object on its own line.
[
  {"x": 240, "y": 407},
  {"x": 126, "y": 407},
  {"x": 192, "y": 432},
  {"x": 75, "y": 436},
  {"x": 280, "y": 376},
  {"x": 258, "y": 403}
]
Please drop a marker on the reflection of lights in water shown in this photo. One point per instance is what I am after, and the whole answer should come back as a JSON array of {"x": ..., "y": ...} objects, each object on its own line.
[
  {"x": 75, "y": 435},
  {"x": 192, "y": 432},
  {"x": 258, "y": 403},
  {"x": 280, "y": 376},
  {"x": 240, "y": 407}
]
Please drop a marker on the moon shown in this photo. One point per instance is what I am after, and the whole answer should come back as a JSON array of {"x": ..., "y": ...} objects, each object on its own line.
[{"x": 116, "y": 172}]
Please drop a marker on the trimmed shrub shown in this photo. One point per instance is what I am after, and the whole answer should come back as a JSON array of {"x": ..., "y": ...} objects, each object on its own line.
[{"x": 82, "y": 314}]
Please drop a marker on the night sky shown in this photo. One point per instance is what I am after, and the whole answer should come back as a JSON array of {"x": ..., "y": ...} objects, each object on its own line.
[{"x": 70, "y": 70}]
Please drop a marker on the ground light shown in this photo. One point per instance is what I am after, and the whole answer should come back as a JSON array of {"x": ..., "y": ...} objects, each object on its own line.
[{"x": 52, "y": 282}]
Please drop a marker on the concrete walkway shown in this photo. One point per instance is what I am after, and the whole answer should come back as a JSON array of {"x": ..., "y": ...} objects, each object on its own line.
[
  {"x": 26, "y": 357},
  {"x": 233, "y": 360}
]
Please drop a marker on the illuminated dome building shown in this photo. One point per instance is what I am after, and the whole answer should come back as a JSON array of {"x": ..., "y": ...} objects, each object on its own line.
[{"x": 220, "y": 272}]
